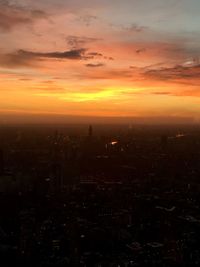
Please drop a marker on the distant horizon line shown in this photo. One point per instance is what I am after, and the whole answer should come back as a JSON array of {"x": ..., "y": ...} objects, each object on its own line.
[{"x": 48, "y": 119}]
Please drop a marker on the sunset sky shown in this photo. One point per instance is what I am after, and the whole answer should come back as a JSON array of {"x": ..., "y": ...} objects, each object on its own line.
[{"x": 130, "y": 58}]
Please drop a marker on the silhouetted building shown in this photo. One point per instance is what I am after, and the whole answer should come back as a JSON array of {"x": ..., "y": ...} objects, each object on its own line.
[
  {"x": 164, "y": 141},
  {"x": 90, "y": 131},
  {"x": 56, "y": 165},
  {"x": 27, "y": 223},
  {"x": 1, "y": 162}
]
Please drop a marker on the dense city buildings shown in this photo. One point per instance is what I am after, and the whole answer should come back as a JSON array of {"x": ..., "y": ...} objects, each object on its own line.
[{"x": 110, "y": 195}]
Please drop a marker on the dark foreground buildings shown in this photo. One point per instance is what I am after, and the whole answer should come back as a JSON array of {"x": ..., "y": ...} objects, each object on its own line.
[{"x": 110, "y": 197}]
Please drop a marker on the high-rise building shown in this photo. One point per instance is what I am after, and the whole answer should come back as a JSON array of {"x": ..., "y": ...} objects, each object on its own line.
[
  {"x": 56, "y": 165},
  {"x": 90, "y": 131},
  {"x": 164, "y": 141},
  {"x": 1, "y": 162}
]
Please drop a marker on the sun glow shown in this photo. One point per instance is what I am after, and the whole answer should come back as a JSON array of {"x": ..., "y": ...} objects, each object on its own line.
[
  {"x": 95, "y": 95},
  {"x": 84, "y": 97}
]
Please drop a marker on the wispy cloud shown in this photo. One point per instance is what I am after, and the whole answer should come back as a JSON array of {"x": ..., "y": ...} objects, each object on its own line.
[
  {"x": 95, "y": 65},
  {"x": 135, "y": 28},
  {"x": 12, "y": 16},
  {"x": 175, "y": 73},
  {"x": 79, "y": 41},
  {"x": 87, "y": 19},
  {"x": 71, "y": 54},
  {"x": 30, "y": 58}
]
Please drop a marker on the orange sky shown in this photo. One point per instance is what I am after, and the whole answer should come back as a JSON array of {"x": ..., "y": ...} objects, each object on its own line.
[{"x": 100, "y": 58}]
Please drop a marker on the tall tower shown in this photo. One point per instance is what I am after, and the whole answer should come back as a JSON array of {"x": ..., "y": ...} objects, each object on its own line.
[
  {"x": 90, "y": 131},
  {"x": 164, "y": 141},
  {"x": 56, "y": 164},
  {"x": 1, "y": 162}
]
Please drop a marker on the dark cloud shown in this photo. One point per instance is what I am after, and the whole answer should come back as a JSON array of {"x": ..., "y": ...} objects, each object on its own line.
[
  {"x": 141, "y": 50},
  {"x": 12, "y": 15},
  {"x": 97, "y": 65},
  {"x": 109, "y": 58},
  {"x": 79, "y": 41},
  {"x": 95, "y": 54},
  {"x": 71, "y": 54},
  {"x": 176, "y": 73},
  {"x": 25, "y": 79},
  {"x": 30, "y": 59},
  {"x": 161, "y": 93},
  {"x": 133, "y": 67},
  {"x": 15, "y": 60},
  {"x": 98, "y": 55},
  {"x": 136, "y": 28}
]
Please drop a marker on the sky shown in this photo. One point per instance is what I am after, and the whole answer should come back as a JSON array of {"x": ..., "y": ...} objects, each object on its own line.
[{"x": 108, "y": 58}]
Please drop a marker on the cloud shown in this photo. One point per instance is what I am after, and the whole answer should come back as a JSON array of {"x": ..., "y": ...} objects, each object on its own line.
[
  {"x": 135, "y": 28},
  {"x": 50, "y": 89},
  {"x": 106, "y": 74},
  {"x": 79, "y": 41},
  {"x": 71, "y": 54},
  {"x": 156, "y": 65},
  {"x": 29, "y": 58},
  {"x": 95, "y": 54},
  {"x": 178, "y": 72},
  {"x": 161, "y": 93},
  {"x": 12, "y": 16},
  {"x": 96, "y": 65},
  {"x": 138, "y": 51},
  {"x": 87, "y": 19},
  {"x": 15, "y": 60}
]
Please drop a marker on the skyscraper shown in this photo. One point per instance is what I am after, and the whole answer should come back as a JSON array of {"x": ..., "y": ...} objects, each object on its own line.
[
  {"x": 56, "y": 164},
  {"x": 90, "y": 131},
  {"x": 1, "y": 162}
]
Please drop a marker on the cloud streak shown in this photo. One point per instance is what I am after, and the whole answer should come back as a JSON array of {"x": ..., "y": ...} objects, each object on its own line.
[
  {"x": 71, "y": 54},
  {"x": 95, "y": 65},
  {"x": 178, "y": 72},
  {"x": 12, "y": 16},
  {"x": 79, "y": 41},
  {"x": 30, "y": 58}
]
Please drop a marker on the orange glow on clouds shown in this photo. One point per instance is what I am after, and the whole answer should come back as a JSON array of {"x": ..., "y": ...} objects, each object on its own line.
[{"x": 75, "y": 59}]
